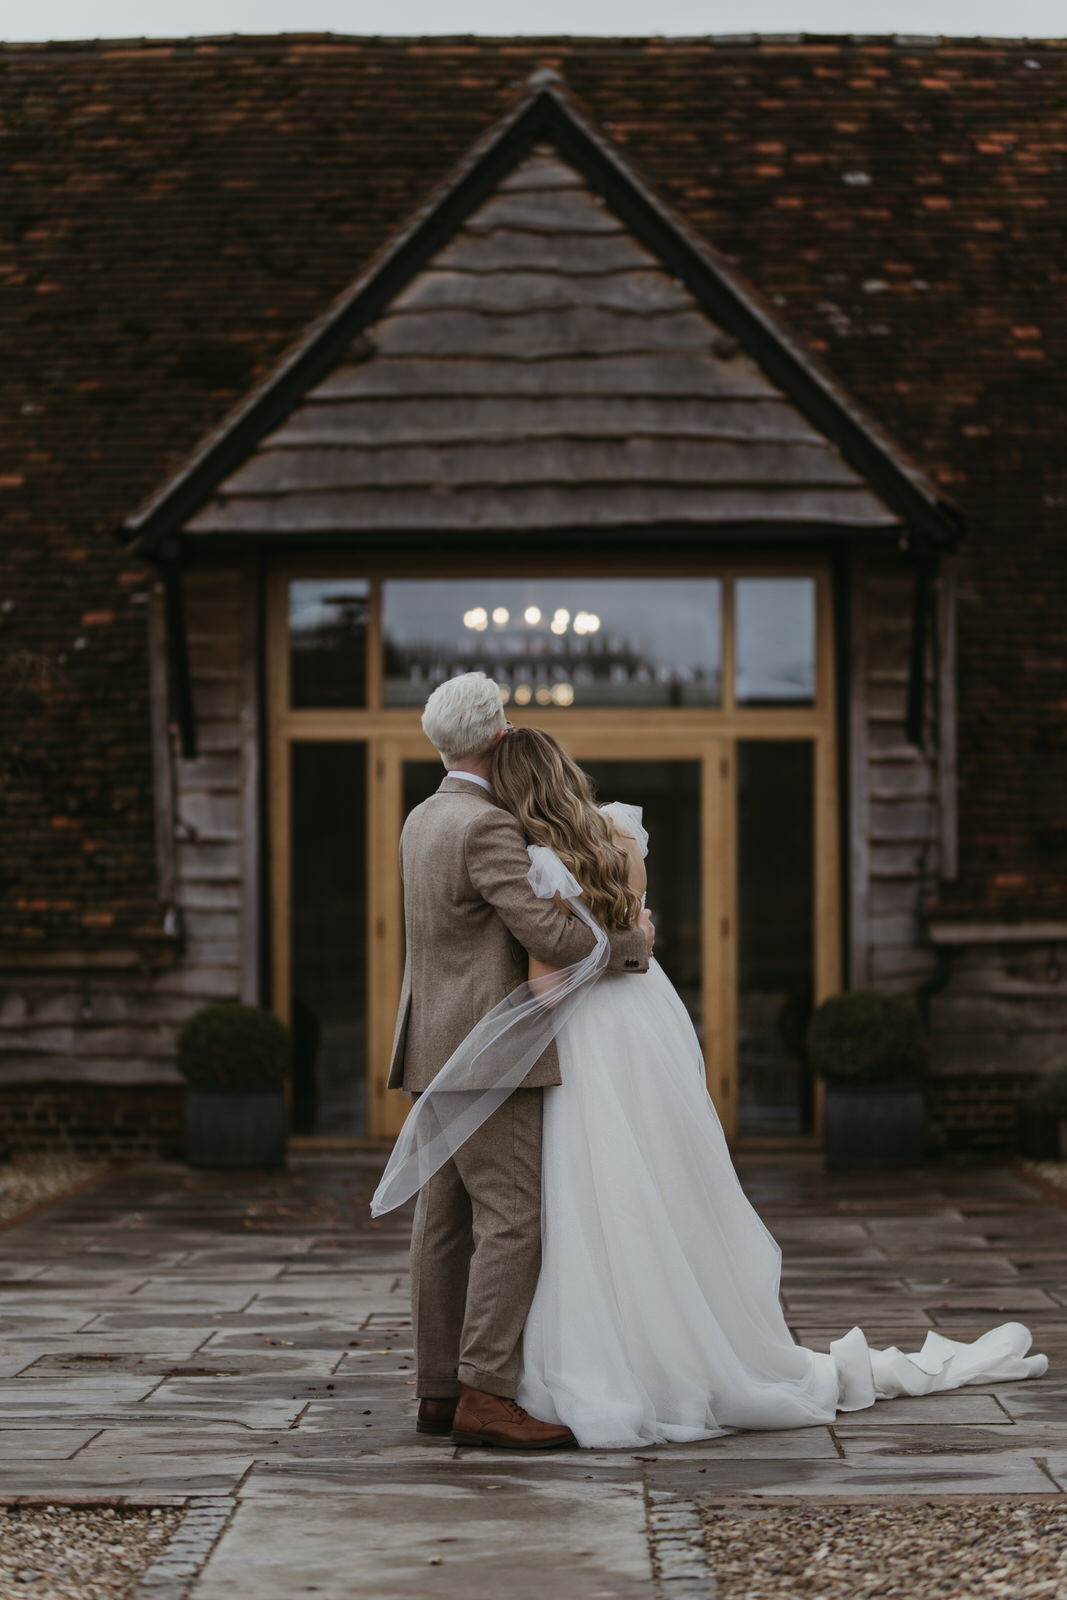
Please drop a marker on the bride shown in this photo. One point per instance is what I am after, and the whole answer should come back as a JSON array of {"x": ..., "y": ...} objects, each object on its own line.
[{"x": 656, "y": 1316}]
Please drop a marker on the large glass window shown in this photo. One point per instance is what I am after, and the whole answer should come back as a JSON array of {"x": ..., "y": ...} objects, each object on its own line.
[
  {"x": 774, "y": 647},
  {"x": 557, "y": 641},
  {"x": 328, "y": 642},
  {"x": 775, "y": 881},
  {"x": 329, "y": 937}
]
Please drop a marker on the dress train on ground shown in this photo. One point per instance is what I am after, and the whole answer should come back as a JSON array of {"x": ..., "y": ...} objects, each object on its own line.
[{"x": 657, "y": 1317}]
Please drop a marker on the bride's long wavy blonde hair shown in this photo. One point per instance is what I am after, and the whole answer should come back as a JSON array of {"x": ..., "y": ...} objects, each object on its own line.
[{"x": 553, "y": 801}]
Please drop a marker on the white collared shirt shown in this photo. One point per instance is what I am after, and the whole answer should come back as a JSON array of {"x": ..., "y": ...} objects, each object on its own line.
[{"x": 473, "y": 777}]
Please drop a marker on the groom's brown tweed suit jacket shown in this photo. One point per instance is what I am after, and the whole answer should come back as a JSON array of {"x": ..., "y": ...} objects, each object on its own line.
[{"x": 471, "y": 918}]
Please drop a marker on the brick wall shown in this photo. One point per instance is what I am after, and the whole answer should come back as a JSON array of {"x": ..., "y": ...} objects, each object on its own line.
[
  {"x": 966, "y": 1111},
  {"x": 94, "y": 1118},
  {"x": 976, "y": 1111},
  {"x": 95, "y": 1025}
]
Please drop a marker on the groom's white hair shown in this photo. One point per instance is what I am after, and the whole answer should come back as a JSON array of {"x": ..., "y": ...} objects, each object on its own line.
[{"x": 462, "y": 716}]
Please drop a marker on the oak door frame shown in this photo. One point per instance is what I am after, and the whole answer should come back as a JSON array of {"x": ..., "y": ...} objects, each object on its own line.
[{"x": 706, "y": 733}]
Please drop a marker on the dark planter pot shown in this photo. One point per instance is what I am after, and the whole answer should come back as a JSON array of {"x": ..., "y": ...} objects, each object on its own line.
[
  {"x": 874, "y": 1127},
  {"x": 1042, "y": 1134},
  {"x": 235, "y": 1127}
]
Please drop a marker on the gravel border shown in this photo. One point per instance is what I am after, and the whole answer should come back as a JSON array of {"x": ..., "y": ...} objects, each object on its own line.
[
  {"x": 31, "y": 1180},
  {"x": 951, "y": 1548},
  {"x": 1054, "y": 1173},
  {"x": 190, "y": 1525},
  {"x": 78, "y": 1552}
]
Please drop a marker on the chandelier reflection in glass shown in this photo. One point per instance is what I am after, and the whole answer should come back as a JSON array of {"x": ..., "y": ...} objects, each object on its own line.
[
  {"x": 559, "y": 693},
  {"x": 556, "y": 642}
]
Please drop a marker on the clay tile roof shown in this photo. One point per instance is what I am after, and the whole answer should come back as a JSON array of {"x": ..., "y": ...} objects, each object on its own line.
[{"x": 175, "y": 213}]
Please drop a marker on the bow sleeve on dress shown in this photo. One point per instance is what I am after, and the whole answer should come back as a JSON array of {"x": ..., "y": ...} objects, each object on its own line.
[
  {"x": 630, "y": 818},
  {"x": 548, "y": 876}
]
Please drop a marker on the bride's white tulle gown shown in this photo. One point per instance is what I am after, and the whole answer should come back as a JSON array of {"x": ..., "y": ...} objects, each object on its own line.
[{"x": 656, "y": 1317}]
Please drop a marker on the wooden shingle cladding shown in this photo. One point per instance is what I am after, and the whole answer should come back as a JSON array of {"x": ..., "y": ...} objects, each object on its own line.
[
  {"x": 544, "y": 373},
  {"x": 896, "y": 822},
  {"x": 508, "y": 166}
]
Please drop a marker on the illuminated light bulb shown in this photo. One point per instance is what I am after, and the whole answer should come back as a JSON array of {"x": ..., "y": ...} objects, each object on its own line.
[
  {"x": 558, "y": 625},
  {"x": 561, "y": 615},
  {"x": 523, "y": 694},
  {"x": 478, "y": 619},
  {"x": 563, "y": 694},
  {"x": 544, "y": 695},
  {"x": 592, "y": 622},
  {"x": 505, "y": 694},
  {"x": 532, "y": 615},
  {"x": 501, "y": 615},
  {"x": 581, "y": 622}
]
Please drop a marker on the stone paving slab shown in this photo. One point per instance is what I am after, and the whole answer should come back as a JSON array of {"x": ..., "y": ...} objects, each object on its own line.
[
  {"x": 150, "y": 1344},
  {"x": 39, "y": 1319},
  {"x": 1011, "y": 1472},
  {"x": 795, "y": 1444},
  {"x": 481, "y": 1537},
  {"x": 115, "y": 1473},
  {"x": 53, "y": 1396},
  {"x": 21, "y": 1444},
  {"x": 257, "y": 1343},
  {"x": 1045, "y": 1401},
  {"x": 965, "y": 1408}
]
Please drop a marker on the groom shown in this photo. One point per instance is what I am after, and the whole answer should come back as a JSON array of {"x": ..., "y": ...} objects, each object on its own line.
[{"x": 472, "y": 920}]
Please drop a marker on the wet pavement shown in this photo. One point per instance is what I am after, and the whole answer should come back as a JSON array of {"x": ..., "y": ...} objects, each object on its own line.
[{"x": 184, "y": 1336}]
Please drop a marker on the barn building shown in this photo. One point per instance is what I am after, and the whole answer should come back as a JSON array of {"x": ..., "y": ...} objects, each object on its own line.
[{"x": 708, "y": 394}]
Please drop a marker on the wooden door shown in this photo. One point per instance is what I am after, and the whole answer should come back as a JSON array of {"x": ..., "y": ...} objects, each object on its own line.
[{"x": 683, "y": 786}]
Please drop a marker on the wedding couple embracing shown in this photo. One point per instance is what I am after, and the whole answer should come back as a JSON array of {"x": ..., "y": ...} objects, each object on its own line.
[{"x": 586, "y": 1268}]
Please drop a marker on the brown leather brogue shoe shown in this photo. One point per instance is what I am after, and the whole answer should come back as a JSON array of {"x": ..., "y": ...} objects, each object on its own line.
[
  {"x": 503, "y": 1424},
  {"x": 435, "y": 1416}
]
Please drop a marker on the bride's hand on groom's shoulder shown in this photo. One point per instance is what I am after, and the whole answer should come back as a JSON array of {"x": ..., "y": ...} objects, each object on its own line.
[{"x": 648, "y": 928}]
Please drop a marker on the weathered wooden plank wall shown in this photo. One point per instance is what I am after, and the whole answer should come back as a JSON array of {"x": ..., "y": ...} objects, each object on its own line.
[
  {"x": 1003, "y": 1006},
  {"x": 111, "y": 1021},
  {"x": 998, "y": 1005},
  {"x": 898, "y": 819}
]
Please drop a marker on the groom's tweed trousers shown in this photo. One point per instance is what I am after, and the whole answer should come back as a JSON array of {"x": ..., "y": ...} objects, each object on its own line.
[{"x": 471, "y": 918}]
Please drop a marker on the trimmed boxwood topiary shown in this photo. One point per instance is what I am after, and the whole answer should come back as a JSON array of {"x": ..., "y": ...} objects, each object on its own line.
[
  {"x": 866, "y": 1037},
  {"x": 1041, "y": 1120},
  {"x": 1049, "y": 1094},
  {"x": 234, "y": 1047}
]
